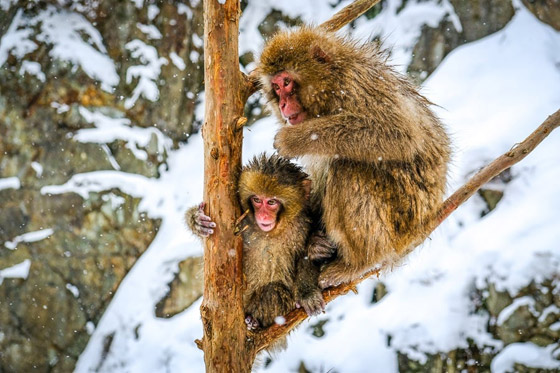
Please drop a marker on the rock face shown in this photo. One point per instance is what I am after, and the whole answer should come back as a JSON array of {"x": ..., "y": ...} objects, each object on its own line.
[
  {"x": 547, "y": 11},
  {"x": 531, "y": 316},
  {"x": 184, "y": 289},
  {"x": 69, "y": 68},
  {"x": 476, "y": 19},
  {"x": 64, "y": 71}
]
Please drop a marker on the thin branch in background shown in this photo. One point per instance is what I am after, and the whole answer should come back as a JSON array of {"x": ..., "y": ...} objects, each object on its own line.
[{"x": 347, "y": 15}]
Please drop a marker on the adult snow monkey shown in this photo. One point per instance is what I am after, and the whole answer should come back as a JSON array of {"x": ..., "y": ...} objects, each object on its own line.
[{"x": 375, "y": 152}]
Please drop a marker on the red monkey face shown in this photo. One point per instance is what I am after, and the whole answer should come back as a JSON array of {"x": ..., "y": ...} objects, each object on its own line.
[
  {"x": 285, "y": 88},
  {"x": 266, "y": 212}
]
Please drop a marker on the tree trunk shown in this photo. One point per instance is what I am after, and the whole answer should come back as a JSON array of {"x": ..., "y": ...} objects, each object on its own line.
[{"x": 225, "y": 332}]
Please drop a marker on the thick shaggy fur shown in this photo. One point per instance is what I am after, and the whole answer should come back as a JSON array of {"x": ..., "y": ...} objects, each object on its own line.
[
  {"x": 276, "y": 269},
  {"x": 270, "y": 258},
  {"x": 376, "y": 153}
]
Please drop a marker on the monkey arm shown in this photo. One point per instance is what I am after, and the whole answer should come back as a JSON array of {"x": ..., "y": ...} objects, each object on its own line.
[
  {"x": 307, "y": 292},
  {"x": 268, "y": 302},
  {"x": 349, "y": 137}
]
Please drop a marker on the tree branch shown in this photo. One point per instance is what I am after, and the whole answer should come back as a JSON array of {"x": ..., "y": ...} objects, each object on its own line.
[
  {"x": 516, "y": 154},
  {"x": 347, "y": 15},
  {"x": 222, "y": 305}
]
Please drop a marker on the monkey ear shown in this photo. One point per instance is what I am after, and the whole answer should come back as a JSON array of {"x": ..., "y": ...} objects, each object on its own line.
[
  {"x": 319, "y": 54},
  {"x": 307, "y": 188}
]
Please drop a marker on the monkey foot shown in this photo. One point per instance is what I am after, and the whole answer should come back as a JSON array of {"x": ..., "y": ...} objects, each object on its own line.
[
  {"x": 321, "y": 248},
  {"x": 327, "y": 280},
  {"x": 252, "y": 323},
  {"x": 324, "y": 284},
  {"x": 313, "y": 304}
]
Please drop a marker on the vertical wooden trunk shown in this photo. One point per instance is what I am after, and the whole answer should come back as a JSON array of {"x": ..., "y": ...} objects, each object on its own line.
[{"x": 224, "y": 341}]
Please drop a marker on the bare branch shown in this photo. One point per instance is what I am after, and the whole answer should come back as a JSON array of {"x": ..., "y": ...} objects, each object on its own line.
[
  {"x": 516, "y": 154},
  {"x": 252, "y": 84},
  {"x": 347, "y": 15}
]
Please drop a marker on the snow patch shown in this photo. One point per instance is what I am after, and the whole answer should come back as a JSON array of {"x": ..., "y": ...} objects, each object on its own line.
[
  {"x": 17, "y": 39},
  {"x": 177, "y": 61},
  {"x": 32, "y": 68},
  {"x": 66, "y": 32},
  {"x": 10, "y": 183},
  {"x": 20, "y": 270},
  {"x": 109, "y": 129},
  {"x": 151, "y": 31},
  {"x": 147, "y": 73},
  {"x": 526, "y": 354},
  {"x": 29, "y": 237}
]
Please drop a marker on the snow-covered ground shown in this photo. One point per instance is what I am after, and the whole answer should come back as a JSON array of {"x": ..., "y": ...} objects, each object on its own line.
[{"x": 491, "y": 94}]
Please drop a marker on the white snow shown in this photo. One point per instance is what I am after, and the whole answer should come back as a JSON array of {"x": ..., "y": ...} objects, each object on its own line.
[
  {"x": 491, "y": 94},
  {"x": 177, "y": 61},
  {"x": 73, "y": 289},
  {"x": 506, "y": 313},
  {"x": 151, "y": 31},
  {"x": 66, "y": 32},
  {"x": 16, "y": 40},
  {"x": 38, "y": 168},
  {"x": 527, "y": 354},
  {"x": 184, "y": 9},
  {"x": 29, "y": 237},
  {"x": 32, "y": 68},
  {"x": 10, "y": 183},
  {"x": 20, "y": 270},
  {"x": 109, "y": 129},
  {"x": 6, "y": 4},
  {"x": 153, "y": 11},
  {"x": 147, "y": 73}
]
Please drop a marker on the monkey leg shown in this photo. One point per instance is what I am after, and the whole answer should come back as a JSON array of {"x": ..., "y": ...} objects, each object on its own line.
[
  {"x": 339, "y": 271},
  {"x": 269, "y": 302},
  {"x": 307, "y": 292},
  {"x": 320, "y": 248}
]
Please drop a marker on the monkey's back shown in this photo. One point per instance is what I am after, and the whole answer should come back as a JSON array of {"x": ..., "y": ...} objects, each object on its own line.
[{"x": 378, "y": 154}]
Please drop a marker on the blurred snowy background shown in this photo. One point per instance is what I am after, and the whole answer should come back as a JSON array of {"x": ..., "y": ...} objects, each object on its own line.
[{"x": 100, "y": 155}]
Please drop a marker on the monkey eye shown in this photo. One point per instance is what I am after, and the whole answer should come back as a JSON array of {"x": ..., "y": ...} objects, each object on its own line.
[
  {"x": 256, "y": 200},
  {"x": 275, "y": 86},
  {"x": 287, "y": 81},
  {"x": 272, "y": 202}
]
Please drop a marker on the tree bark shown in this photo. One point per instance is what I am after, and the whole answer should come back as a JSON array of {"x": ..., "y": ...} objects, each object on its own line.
[
  {"x": 348, "y": 14},
  {"x": 225, "y": 333}
]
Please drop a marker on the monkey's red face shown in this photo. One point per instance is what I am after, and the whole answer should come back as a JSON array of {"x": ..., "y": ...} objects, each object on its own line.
[
  {"x": 266, "y": 211},
  {"x": 285, "y": 88}
]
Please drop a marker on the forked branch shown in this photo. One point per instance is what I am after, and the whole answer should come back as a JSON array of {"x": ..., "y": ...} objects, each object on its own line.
[{"x": 516, "y": 154}]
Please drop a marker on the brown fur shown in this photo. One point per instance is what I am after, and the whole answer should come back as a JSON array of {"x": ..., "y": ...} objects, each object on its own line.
[
  {"x": 376, "y": 153},
  {"x": 269, "y": 258},
  {"x": 276, "y": 270}
]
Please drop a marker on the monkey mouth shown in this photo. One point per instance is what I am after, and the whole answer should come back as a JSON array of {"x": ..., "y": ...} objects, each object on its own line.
[
  {"x": 296, "y": 118},
  {"x": 266, "y": 227}
]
